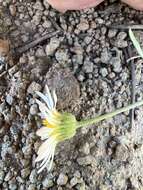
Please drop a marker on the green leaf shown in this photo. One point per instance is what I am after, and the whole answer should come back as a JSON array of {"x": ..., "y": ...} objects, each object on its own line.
[{"x": 135, "y": 43}]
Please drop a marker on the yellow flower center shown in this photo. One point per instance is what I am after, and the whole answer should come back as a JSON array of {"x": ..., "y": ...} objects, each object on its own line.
[
  {"x": 47, "y": 124},
  {"x": 56, "y": 116}
]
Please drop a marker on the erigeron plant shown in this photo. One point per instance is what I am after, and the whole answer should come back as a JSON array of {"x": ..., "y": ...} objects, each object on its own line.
[{"x": 58, "y": 126}]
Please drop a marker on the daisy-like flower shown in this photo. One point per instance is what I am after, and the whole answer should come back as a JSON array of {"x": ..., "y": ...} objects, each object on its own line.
[{"x": 56, "y": 128}]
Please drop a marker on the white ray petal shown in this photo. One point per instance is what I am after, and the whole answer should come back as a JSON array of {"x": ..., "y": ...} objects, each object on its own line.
[
  {"x": 48, "y": 155},
  {"x": 44, "y": 146},
  {"x": 45, "y": 99},
  {"x": 48, "y": 94},
  {"x": 43, "y": 167},
  {"x": 48, "y": 162},
  {"x": 55, "y": 98},
  {"x": 45, "y": 164},
  {"x": 51, "y": 162},
  {"x": 45, "y": 153},
  {"x": 42, "y": 131},
  {"x": 47, "y": 114},
  {"x": 46, "y": 136},
  {"x": 42, "y": 106}
]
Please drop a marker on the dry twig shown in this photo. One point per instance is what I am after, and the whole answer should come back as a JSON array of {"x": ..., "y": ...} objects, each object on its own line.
[{"x": 32, "y": 44}]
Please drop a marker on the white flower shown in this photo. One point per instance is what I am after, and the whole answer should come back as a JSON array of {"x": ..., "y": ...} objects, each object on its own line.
[{"x": 56, "y": 128}]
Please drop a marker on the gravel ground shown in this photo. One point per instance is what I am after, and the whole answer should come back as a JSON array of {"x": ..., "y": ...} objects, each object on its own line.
[{"x": 86, "y": 63}]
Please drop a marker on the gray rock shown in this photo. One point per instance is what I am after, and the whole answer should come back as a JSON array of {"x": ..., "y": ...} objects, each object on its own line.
[
  {"x": 81, "y": 186},
  {"x": 47, "y": 183},
  {"x": 47, "y": 24},
  {"x": 100, "y": 20},
  {"x": 12, "y": 9},
  {"x": 25, "y": 172},
  {"x": 8, "y": 176},
  {"x": 62, "y": 55},
  {"x": 81, "y": 77},
  {"x": 62, "y": 179},
  {"x": 85, "y": 149},
  {"x": 31, "y": 60},
  {"x": 105, "y": 56},
  {"x": 103, "y": 30},
  {"x": 9, "y": 99},
  {"x": 78, "y": 59},
  {"x": 66, "y": 85},
  {"x": 33, "y": 176},
  {"x": 38, "y": 6},
  {"x": 88, "y": 66},
  {"x": 37, "y": 18},
  {"x": 8, "y": 21},
  {"x": 2, "y": 174},
  {"x": 19, "y": 179},
  {"x": 77, "y": 174},
  {"x": 88, "y": 39},
  {"x": 121, "y": 153},
  {"x": 122, "y": 35},
  {"x": 32, "y": 187},
  {"x": 104, "y": 72},
  {"x": 83, "y": 25},
  {"x": 22, "y": 187},
  {"x": 46, "y": 4},
  {"x": 116, "y": 60},
  {"x": 74, "y": 181},
  {"x": 112, "y": 33},
  {"x": 120, "y": 42},
  {"x": 2, "y": 164},
  {"x": 24, "y": 162},
  {"x": 52, "y": 46},
  {"x": 5, "y": 186},
  {"x": 40, "y": 52},
  {"x": 33, "y": 87},
  {"x": 34, "y": 109},
  {"x": 40, "y": 68},
  {"x": 13, "y": 186},
  {"x": 87, "y": 160},
  {"x": 27, "y": 150}
]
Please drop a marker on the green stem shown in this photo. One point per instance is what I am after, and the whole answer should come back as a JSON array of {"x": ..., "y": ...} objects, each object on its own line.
[{"x": 108, "y": 115}]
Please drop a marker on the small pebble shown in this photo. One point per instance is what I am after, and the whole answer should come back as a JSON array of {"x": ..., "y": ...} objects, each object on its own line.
[
  {"x": 62, "y": 179},
  {"x": 83, "y": 25},
  {"x": 52, "y": 46},
  {"x": 104, "y": 72},
  {"x": 47, "y": 183},
  {"x": 88, "y": 66},
  {"x": 12, "y": 9},
  {"x": 33, "y": 87}
]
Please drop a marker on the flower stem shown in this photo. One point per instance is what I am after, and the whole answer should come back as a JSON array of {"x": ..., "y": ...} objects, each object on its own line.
[{"x": 108, "y": 115}]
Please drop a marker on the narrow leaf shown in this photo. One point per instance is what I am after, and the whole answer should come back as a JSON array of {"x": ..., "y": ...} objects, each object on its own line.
[{"x": 135, "y": 43}]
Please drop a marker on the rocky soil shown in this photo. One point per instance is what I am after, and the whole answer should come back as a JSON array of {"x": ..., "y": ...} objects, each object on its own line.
[{"x": 86, "y": 63}]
